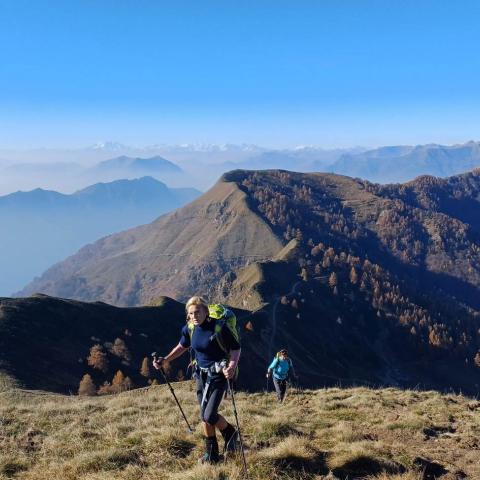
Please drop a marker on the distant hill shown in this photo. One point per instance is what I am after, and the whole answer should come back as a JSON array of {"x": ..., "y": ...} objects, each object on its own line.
[
  {"x": 81, "y": 171},
  {"x": 138, "y": 166},
  {"x": 41, "y": 227},
  {"x": 300, "y": 159},
  {"x": 403, "y": 163},
  {"x": 377, "y": 284}
]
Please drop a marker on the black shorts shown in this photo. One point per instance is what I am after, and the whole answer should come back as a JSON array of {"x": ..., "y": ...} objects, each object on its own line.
[{"x": 210, "y": 401}]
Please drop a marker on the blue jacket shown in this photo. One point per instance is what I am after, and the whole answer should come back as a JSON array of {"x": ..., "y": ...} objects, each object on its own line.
[{"x": 280, "y": 368}]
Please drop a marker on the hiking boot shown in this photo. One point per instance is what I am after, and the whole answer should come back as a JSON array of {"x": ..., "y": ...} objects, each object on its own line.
[
  {"x": 211, "y": 451},
  {"x": 230, "y": 437}
]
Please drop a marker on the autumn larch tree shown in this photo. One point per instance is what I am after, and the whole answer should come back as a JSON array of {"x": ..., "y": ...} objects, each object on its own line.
[
  {"x": 118, "y": 382},
  {"x": 128, "y": 384},
  {"x": 120, "y": 349},
  {"x": 87, "y": 387},
  {"x": 333, "y": 280},
  {"x": 98, "y": 358},
  {"x": 145, "y": 369},
  {"x": 353, "y": 276}
]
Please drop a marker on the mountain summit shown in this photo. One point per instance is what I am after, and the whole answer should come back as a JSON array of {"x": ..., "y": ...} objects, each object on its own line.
[{"x": 180, "y": 252}]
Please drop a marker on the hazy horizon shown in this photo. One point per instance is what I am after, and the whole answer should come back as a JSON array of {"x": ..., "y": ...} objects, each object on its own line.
[{"x": 275, "y": 73}]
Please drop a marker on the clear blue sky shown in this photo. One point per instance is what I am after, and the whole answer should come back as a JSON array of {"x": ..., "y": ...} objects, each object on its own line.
[{"x": 331, "y": 73}]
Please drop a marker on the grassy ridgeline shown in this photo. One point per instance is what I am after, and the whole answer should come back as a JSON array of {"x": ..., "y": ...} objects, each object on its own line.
[{"x": 355, "y": 433}]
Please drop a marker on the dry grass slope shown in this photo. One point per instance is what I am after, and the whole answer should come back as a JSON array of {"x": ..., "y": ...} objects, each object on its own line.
[{"x": 322, "y": 434}]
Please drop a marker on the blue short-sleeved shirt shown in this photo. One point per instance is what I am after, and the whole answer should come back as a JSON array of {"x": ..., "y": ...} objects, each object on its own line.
[
  {"x": 207, "y": 350},
  {"x": 280, "y": 367}
]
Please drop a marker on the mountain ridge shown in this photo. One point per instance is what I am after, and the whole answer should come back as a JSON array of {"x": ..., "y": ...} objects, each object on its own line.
[
  {"x": 364, "y": 210},
  {"x": 207, "y": 216},
  {"x": 363, "y": 283},
  {"x": 41, "y": 227}
]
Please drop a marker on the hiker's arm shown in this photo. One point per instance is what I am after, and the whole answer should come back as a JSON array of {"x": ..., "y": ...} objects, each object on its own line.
[
  {"x": 273, "y": 364},
  {"x": 175, "y": 353},
  {"x": 271, "y": 367},
  {"x": 229, "y": 372}
]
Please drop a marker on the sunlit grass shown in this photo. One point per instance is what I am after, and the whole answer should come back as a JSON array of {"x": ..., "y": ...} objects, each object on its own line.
[{"x": 327, "y": 433}]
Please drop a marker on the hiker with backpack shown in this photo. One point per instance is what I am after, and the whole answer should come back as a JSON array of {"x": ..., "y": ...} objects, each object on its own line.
[
  {"x": 212, "y": 336},
  {"x": 282, "y": 368}
]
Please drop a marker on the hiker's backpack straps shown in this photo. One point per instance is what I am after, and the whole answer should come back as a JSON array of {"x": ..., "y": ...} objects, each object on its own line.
[
  {"x": 193, "y": 360},
  {"x": 224, "y": 318},
  {"x": 191, "y": 328}
]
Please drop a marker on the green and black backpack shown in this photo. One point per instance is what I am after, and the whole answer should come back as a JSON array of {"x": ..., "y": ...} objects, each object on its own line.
[{"x": 223, "y": 316}]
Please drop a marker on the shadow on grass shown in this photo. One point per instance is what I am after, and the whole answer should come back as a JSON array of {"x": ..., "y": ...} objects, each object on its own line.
[
  {"x": 180, "y": 448},
  {"x": 10, "y": 469},
  {"x": 292, "y": 463},
  {"x": 121, "y": 459},
  {"x": 364, "y": 465},
  {"x": 275, "y": 430},
  {"x": 431, "y": 470}
]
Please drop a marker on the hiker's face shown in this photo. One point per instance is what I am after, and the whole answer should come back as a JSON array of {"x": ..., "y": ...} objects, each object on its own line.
[{"x": 197, "y": 314}]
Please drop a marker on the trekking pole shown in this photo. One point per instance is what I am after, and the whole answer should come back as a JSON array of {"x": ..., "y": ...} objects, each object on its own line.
[
  {"x": 155, "y": 356},
  {"x": 238, "y": 427}
]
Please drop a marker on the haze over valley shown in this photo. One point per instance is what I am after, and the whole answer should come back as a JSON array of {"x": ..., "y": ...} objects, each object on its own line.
[
  {"x": 199, "y": 166},
  {"x": 42, "y": 227}
]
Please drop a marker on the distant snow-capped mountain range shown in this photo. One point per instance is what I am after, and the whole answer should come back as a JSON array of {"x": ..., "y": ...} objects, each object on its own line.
[{"x": 200, "y": 165}]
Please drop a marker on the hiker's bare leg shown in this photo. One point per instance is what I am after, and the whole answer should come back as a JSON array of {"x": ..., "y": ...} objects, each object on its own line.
[
  {"x": 208, "y": 430},
  {"x": 222, "y": 423}
]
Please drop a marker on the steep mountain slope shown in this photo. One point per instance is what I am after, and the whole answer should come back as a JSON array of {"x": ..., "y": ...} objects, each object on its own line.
[
  {"x": 45, "y": 342},
  {"x": 181, "y": 252},
  {"x": 42, "y": 227},
  {"x": 250, "y": 216},
  {"x": 378, "y": 285}
]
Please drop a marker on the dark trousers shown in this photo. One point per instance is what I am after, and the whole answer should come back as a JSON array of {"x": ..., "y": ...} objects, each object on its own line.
[
  {"x": 209, "y": 401},
  {"x": 280, "y": 388}
]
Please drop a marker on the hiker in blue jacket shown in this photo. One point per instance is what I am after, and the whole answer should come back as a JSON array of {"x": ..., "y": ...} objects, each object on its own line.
[{"x": 282, "y": 368}]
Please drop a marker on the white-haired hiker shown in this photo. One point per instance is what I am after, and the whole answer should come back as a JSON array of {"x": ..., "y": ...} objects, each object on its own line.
[{"x": 217, "y": 350}]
